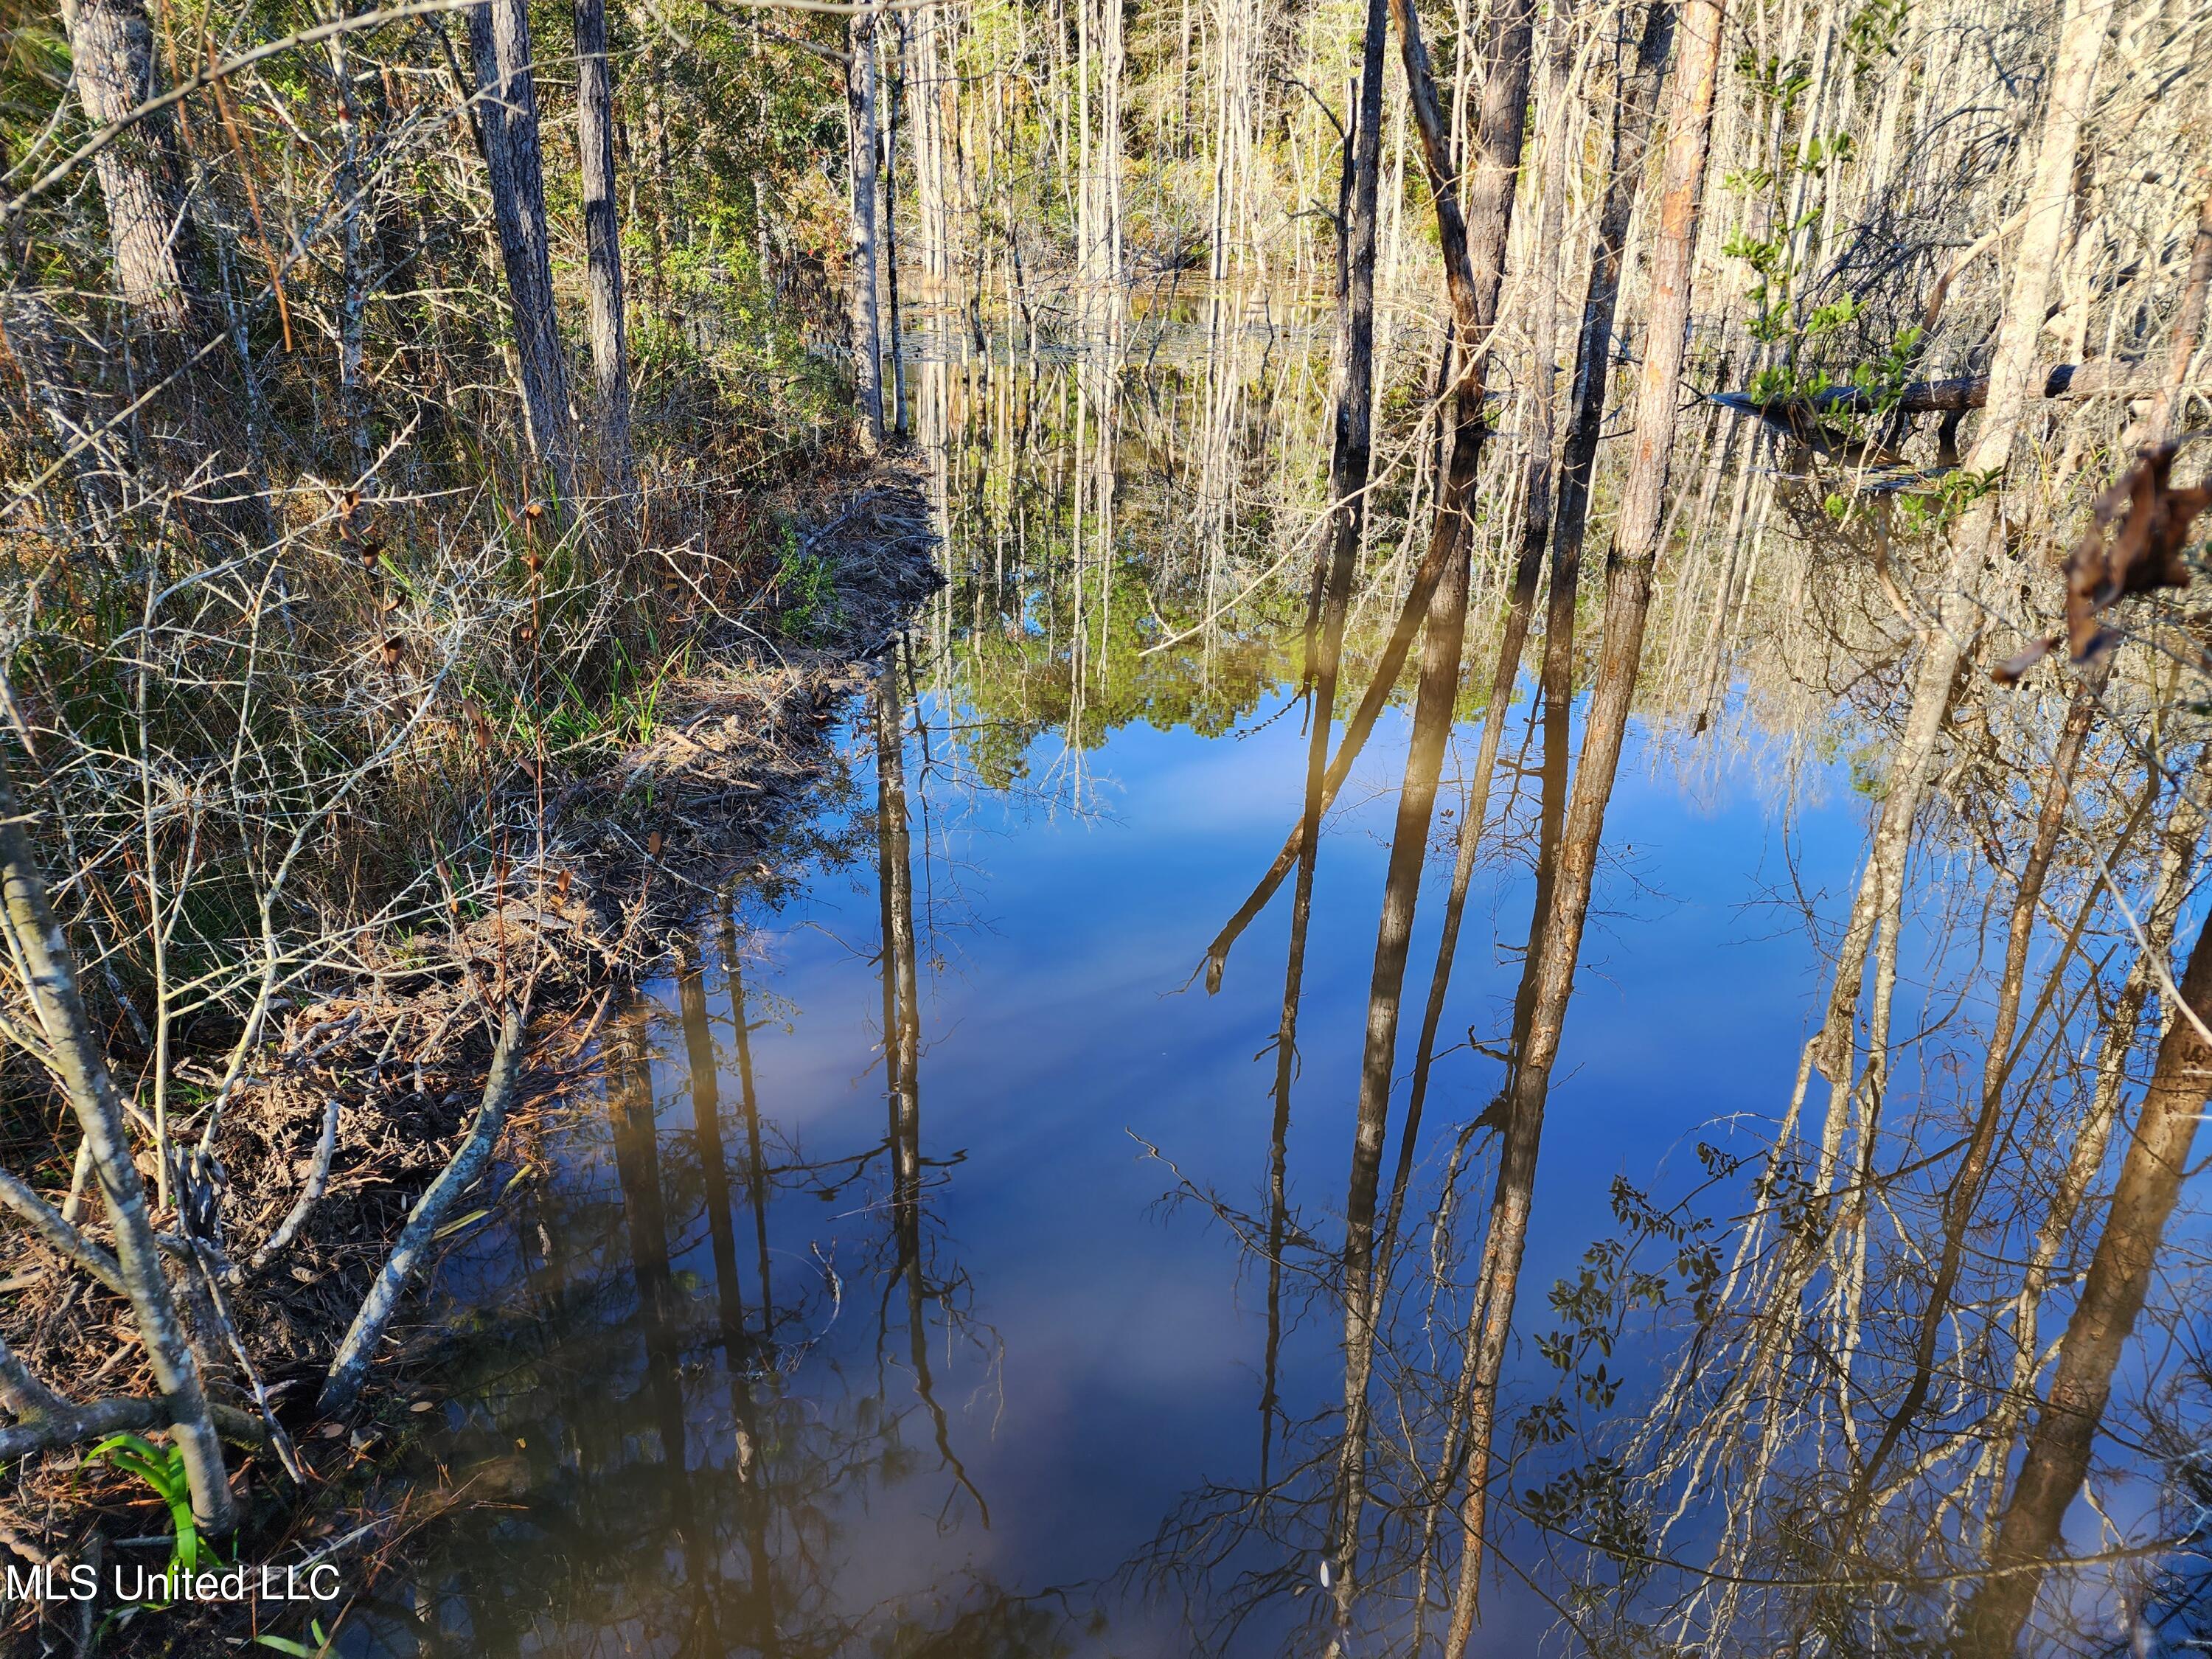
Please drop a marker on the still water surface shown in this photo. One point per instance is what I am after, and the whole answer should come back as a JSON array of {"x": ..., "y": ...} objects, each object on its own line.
[{"x": 788, "y": 1355}]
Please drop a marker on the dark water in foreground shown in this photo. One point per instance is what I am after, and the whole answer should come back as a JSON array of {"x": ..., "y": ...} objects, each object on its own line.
[{"x": 775, "y": 1359}]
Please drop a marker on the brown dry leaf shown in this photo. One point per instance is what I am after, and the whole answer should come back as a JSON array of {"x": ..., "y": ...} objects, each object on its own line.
[
  {"x": 2146, "y": 550},
  {"x": 2008, "y": 671}
]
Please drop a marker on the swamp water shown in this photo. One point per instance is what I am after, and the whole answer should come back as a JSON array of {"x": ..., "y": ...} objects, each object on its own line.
[{"x": 1012, "y": 1349}]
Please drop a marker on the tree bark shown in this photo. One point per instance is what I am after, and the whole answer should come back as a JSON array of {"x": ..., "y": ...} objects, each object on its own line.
[
  {"x": 150, "y": 228},
  {"x": 595, "y": 149},
  {"x": 860, "y": 141},
  {"x": 507, "y": 96}
]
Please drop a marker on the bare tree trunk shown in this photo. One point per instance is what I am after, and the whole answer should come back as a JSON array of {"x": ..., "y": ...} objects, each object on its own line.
[
  {"x": 1474, "y": 263},
  {"x": 860, "y": 142},
  {"x": 1628, "y": 593},
  {"x": 1514, "y": 633},
  {"x": 595, "y": 149},
  {"x": 1632, "y": 112},
  {"x": 506, "y": 94},
  {"x": 51, "y": 978},
  {"x": 2188, "y": 324},
  {"x": 1473, "y": 269},
  {"x": 111, "y": 50},
  {"x": 1350, "y": 452},
  {"x": 890, "y": 224}
]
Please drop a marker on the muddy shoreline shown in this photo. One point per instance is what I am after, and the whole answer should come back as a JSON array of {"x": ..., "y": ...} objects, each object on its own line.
[{"x": 372, "y": 1077}]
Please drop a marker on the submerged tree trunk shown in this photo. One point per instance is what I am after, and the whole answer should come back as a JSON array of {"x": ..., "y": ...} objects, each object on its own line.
[
  {"x": 595, "y": 148},
  {"x": 506, "y": 94},
  {"x": 1628, "y": 593},
  {"x": 860, "y": 142},
  {"x": 1513, "y": 633},
  {"x": 152, "y": 233}
]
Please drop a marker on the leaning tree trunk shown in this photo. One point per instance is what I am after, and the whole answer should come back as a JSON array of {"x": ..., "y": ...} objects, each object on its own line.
[
  {"x": 50, "y": 974},
  {"x": 860, "y": 142},
  {"x": 595, "y": 147},
  {"x": 1627, "y": 601},
  {"x": 112, "y": 48},
  {"x": 507, "y": 96}
]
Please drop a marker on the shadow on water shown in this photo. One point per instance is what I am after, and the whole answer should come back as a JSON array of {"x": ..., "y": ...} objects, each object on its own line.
[{"x": 944, "y": 1225}]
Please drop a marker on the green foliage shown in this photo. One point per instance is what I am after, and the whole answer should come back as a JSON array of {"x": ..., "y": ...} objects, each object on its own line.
[
  {"x": 299, "y": 1650},
  {"x": 805, "y": 589},
  {"x": 1943, "y": 501},
  {"x": 1871, "y": 32},
  {"x": 162, "y": 1468}
]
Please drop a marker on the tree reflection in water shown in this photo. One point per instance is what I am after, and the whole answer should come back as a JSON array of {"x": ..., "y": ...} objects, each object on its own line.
[{"x": 1821, "y": 1370}]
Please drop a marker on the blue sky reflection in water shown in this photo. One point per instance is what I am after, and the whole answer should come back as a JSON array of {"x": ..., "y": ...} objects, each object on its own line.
[{"x": 1096, "y": 1351}]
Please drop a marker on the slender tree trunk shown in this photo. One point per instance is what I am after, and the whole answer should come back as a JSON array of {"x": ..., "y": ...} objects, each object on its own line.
[
  {"x": 507, "y": 94},
  {"x": 861, "y": 144},
  {"x": 890, "y": 224},
  {"x": 1628, "y": 593},
  {"x": 1633, "y": 110},
  {"x": 51, "y": 975},
  {"x": 595, "y": 149},
  {"x": 150, "y": 231},
  {"x": 1474, "y": 267},
  {"x": 1514, "y": 633},
  {"x": 1475, "y": 255},
  {"x": 1350, "y": 456}
]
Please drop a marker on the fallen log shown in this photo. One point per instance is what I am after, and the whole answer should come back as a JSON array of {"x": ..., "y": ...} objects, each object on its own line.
[
  {"x": 2111, "y": 378},
  {"x": 341, "y": 1385}
]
